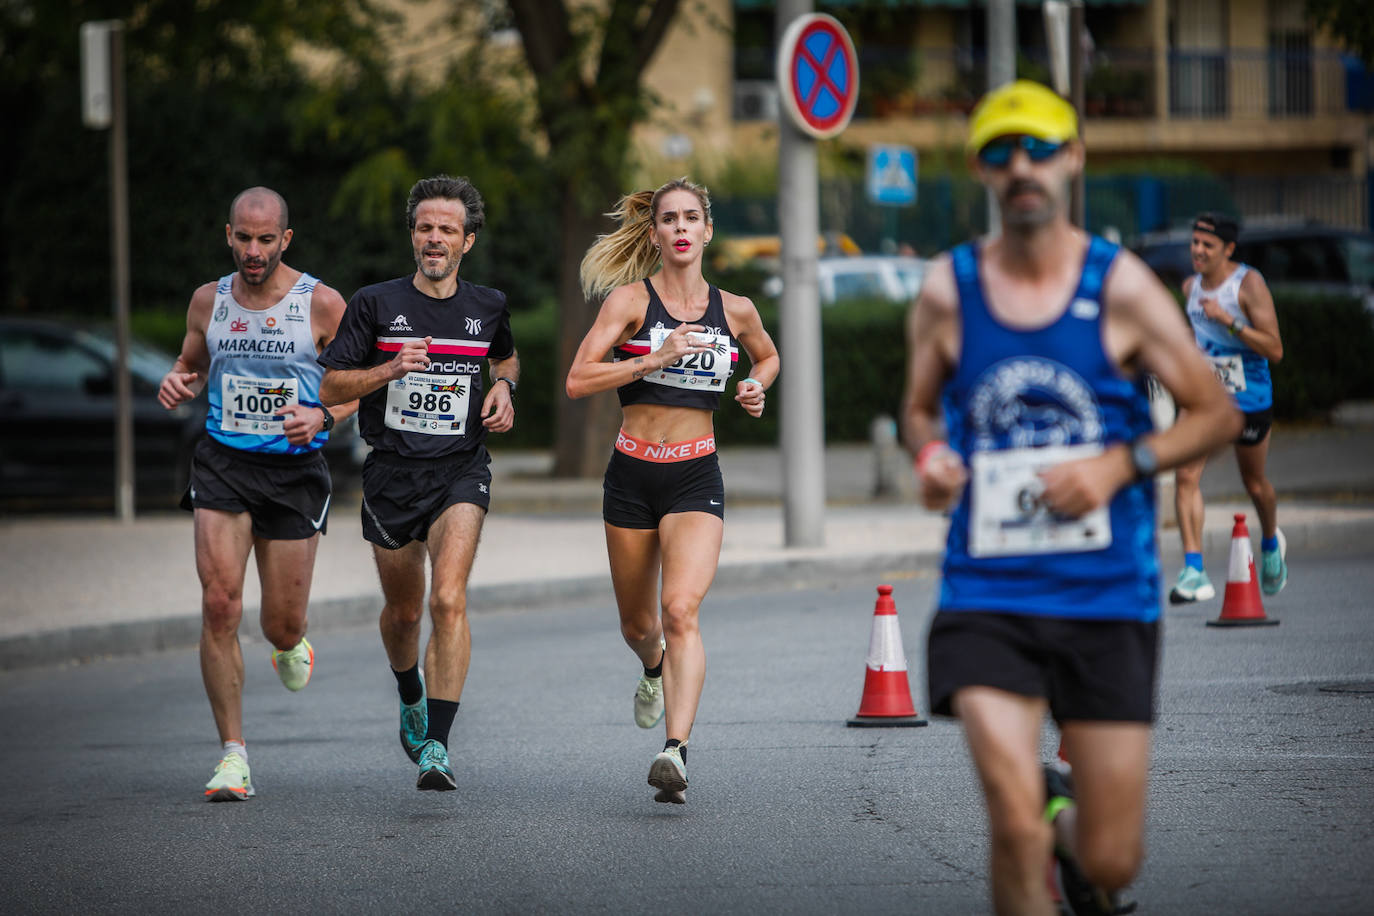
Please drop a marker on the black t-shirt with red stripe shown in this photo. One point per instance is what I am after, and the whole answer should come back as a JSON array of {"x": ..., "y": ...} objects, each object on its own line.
[{"x": 468, "y": 328}]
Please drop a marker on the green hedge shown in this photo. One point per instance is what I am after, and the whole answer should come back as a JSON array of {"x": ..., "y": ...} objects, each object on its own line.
[{"x": 1328, "y": 358}]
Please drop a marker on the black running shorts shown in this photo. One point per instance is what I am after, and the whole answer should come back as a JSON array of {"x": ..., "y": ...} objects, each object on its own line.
[
  {"x": 402, "y": 497},
  {"x": 638, "y": 493},
  {"x": 1257, "y": 424},
  {"x": 1088, "y": 670},
  {"x": 287, "y": 495}
]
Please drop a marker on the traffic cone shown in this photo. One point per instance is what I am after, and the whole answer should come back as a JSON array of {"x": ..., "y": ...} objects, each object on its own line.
[
  {"x": 887, "y": 694},
  {"x": 1242, "y": 606}
]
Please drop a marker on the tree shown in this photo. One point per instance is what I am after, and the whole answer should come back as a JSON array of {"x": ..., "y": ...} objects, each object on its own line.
[
  {"x": 1350, "y": 21},
  {"x": 587, "y": 66}
]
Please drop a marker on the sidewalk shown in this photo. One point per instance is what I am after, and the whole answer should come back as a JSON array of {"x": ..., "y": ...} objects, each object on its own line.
[{"x": 78, "y": 587}]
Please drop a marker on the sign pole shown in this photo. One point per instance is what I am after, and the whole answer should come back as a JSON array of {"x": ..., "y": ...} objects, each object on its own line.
[
  {"x": 119, "y": 227},
  {"x": 818, "y": 86},
  {"x": 103, "y": 108},
  {"x": 803, "y": 397}
]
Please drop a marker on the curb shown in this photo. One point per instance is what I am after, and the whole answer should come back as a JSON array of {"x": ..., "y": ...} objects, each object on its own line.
[{"x": 85, "y": 643}]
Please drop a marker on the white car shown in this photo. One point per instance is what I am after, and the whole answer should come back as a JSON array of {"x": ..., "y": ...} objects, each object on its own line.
[{"x": 894, "y": 278}]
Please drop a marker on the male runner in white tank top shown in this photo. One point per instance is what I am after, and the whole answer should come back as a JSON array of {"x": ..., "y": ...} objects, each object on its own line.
[{"x": 258, "y": 480}]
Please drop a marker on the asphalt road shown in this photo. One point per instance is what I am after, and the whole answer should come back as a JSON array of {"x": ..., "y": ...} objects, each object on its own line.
[{"x": 1262, "y": 797}]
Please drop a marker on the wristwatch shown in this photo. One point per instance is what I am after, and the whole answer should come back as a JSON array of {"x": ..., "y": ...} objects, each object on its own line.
[
  {"x": 1236, "y": 327},
  {"x": 328, "y": 418},
  {"x": 508, "y": 381},
  {"x": 1143, "y": 459}
]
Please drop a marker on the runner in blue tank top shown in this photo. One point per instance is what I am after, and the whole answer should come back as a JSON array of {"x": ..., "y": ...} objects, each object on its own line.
[
  {"x": 674, "y": 339},
  {"x": 1030, "y": 350},
  {"x": 1237, "y": 329},
  {"x": 258, "y": 480}
]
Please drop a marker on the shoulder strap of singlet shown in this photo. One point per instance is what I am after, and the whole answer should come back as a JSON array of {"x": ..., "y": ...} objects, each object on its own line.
[
  {"x": 965, "y": 261},
  {"x": 1096, "y": 263}
]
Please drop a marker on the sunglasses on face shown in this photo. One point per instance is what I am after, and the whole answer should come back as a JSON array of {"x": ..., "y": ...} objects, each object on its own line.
[{"x": 998, "y": 153}]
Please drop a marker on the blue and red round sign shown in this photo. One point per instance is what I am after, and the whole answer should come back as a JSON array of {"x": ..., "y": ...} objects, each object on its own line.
[{"x": 818, "y": 75}]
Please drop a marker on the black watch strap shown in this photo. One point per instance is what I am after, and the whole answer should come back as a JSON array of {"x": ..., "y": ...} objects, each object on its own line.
[
  {"x": 328, "y": 418},
  {"x": 508, "y": 381}
]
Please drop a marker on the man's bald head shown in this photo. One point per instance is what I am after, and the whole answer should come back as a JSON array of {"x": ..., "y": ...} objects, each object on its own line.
[{"x": 261, "y": 198}]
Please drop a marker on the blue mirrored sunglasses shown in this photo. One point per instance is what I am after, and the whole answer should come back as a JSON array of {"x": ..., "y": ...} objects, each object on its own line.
[{"x": 998, "y": 152}]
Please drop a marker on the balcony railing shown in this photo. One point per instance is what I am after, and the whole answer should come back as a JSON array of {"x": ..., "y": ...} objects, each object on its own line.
[{"x": 1119, "y": 83}]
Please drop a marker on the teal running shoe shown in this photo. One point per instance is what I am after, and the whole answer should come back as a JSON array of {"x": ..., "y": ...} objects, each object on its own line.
[
  {"x": 668, "y": 774},
  {"x": 435, "y": 773},
  {"x": 294, "y": 665},
  {"x": 1192, "y": 585},
  {"x": 414, "y": 725},
  {"x": 1274, "y": 567},
  {"x": 232, "y": 781}
]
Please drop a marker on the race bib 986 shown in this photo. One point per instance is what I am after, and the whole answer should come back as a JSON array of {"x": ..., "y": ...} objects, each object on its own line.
[{"x": 422, "y": 402}]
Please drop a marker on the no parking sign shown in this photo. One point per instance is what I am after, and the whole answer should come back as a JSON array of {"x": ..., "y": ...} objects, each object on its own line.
[{"x": 818, "y": 75}]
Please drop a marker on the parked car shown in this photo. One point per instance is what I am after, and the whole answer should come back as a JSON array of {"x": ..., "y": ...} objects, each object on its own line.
[
  {"x": 894, "y": 278},
  {"x": 57, "y": 428},
  {"x": 1299, "y": 258}
]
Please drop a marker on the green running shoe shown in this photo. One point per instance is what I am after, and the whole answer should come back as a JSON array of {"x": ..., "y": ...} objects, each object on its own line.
[
  {"x": 231, "y": 782},
  {"x": 1274, "y": 567},
  {"x": 668, "y": 774},
  {"x": 1193, "y": 585},
  {"x": 649, "y": 701},
  {"x": 294, "y": 665},
  {"x": 414, "y": 725},
  {"x": 649, "y": 698},
  {"x": 435, "y": 773}
]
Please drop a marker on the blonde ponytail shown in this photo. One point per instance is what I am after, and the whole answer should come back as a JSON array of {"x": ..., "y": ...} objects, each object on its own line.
[{"x": 628, "y": 254}]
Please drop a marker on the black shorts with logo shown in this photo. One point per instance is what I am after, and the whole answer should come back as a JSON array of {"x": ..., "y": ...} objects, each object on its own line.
[
  {"x": 1257, "y": 424},
  {"x": 402, "y": 497},
  {"x": 1088, "y": 670},
  {"x": 638, "y": 493},
  {"x": 287, "y": 495}
]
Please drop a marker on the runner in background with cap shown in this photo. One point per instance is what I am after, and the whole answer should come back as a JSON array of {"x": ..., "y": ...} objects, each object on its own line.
[
  {"x": 1036, "y": 344},
  {"x": 1235, "y": 324},
  {"x": 673, "y": 337}
]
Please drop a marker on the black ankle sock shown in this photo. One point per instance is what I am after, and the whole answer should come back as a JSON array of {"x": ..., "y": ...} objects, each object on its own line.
[
  {"x": 441, "y": 713},
  {"x": 656, "y": 670},
  {"x": 681, "y": 748},
  {"x": 408, "y": 683}
]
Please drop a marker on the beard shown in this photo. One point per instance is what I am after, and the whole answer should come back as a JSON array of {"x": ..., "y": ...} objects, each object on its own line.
[
  {"x": 1020, "y": 218},
  {"x": 443, "y": 271},
  {"x": 268, "y": 266}
]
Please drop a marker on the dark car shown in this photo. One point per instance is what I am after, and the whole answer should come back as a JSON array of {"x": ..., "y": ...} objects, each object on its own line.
[
  {"x": 57, "y": 409},
  {"x": 1306, "y": 259}
]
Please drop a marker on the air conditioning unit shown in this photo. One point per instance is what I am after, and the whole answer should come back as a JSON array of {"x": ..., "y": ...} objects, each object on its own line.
[{"x": 756, "y": 100}]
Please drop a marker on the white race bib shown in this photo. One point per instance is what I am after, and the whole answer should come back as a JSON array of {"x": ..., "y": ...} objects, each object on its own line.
[
  {"x": 1007, "y": 516},
  {"x": 705, "y": 371},
  {"x": 253, "y": 405},
  {"x": 1230, "y": 371},
  {"x": 423, "y": 402}
]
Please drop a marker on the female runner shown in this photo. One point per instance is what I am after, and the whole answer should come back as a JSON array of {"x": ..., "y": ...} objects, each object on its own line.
[{"x": 674, "y": 340}]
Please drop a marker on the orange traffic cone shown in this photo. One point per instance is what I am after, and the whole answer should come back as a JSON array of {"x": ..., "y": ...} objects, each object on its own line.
[
  {"x": 1242, "y": 606},
  {"x": 887, "y": 694}
]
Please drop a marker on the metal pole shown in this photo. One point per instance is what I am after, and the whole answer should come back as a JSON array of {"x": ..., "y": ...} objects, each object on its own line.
[
  {"x": 803, "y": 408},
  {"x": 119, "y": 227},
  {"x": 1078, "y": 195},
  {"x": 1001, "y": 69}
]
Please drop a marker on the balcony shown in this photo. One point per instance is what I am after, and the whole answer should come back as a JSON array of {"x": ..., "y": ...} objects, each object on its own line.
[{"x": 1121, "y": 83}]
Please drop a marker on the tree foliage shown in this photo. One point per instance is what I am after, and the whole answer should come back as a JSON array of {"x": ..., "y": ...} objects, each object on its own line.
[
  {"x": 588, "y": 65},
  {"x": 1350, "y": 21}
]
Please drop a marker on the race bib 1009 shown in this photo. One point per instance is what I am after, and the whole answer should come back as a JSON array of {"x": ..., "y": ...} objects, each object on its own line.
[{"x": 253, "y": 405}]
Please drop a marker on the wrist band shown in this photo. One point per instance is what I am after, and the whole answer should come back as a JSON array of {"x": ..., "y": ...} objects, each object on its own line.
[
  {"x": 751, "y": 379},
  {"x": 927, "y": 450}
]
